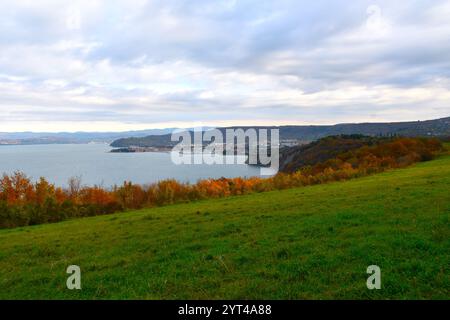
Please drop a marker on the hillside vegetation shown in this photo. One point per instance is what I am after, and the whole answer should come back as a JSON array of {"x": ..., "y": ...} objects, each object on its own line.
[
  {"x": 331, "y": 159},
  {"x": 308, "y": 242},
  {"x": 429, "y": 128},
  {"x": 296, "y": 157}
]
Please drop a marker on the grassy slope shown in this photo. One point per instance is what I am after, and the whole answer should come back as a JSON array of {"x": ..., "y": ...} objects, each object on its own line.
[{"x": 313, "y": 242}]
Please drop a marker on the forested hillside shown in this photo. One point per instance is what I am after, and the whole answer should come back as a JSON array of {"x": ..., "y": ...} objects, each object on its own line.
[{"x": 430, "y": 128}]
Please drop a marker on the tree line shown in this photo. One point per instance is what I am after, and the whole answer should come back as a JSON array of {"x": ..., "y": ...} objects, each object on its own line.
[{"x": 23, "y": 202}]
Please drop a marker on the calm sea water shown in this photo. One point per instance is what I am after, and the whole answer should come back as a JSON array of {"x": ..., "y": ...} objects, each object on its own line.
[{"x": 96, "y": 165}]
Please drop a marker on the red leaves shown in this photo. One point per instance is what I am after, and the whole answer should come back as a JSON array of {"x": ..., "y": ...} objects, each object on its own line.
[{"x": 17, "y": 191}]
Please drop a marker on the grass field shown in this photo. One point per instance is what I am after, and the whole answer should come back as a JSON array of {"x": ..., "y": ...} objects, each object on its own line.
[{"x": 306, "y": 243}]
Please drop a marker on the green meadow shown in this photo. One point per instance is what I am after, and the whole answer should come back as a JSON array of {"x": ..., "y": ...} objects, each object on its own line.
[{"x": 306, "y": 243}]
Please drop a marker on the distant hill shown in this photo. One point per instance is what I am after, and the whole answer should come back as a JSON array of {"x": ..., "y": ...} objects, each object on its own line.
[
  {"x": 438, "y": 127},
  {"x": 294, "y": 158},
  {"x": 161, "y": 137},
  {"x": 434, "y": 128},
  {"x": 16, "y": 138},
  {"x": 149, "y": 141}
]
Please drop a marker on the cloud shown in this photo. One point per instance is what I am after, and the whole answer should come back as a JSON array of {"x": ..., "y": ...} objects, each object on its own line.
[{"x": 144, "y": 63}]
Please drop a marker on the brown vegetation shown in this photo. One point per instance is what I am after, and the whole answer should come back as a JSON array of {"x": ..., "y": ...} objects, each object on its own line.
[{"x": 23, "y": 202}]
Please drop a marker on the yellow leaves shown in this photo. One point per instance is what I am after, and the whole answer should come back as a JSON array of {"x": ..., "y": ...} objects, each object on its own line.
[{"x": 17, "y": 190}]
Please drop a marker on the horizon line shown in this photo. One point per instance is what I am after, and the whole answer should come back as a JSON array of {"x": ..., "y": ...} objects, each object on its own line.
[{"x": 222, "y": 126}]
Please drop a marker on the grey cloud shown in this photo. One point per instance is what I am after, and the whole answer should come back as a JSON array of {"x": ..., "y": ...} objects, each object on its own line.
[{"x": 198, "y": 60}]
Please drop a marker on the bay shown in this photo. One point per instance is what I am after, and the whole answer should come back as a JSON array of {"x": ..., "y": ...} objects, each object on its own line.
[{"x": 97, "y": 166}]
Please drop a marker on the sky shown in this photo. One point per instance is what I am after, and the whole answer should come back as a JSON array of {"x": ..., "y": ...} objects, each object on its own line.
[{"x": 115, "y": 65}]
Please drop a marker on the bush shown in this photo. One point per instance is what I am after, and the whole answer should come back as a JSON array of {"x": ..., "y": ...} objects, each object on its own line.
[{"x": 24, "y": 203}]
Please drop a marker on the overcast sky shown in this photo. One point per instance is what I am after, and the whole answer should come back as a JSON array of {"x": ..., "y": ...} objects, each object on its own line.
[{"x": 131, "y": 64}]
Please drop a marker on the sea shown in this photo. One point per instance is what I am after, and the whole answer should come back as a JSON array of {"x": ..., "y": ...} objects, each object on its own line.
[{"x": 96, "y": 165}]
